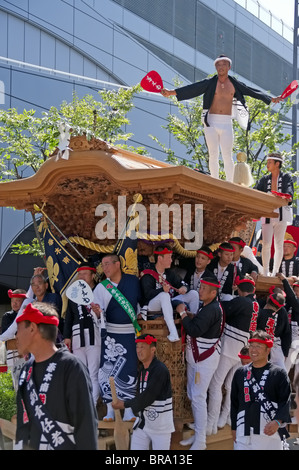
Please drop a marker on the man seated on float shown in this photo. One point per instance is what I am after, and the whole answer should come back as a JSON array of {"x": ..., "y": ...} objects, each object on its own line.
[
  {"x": 245, "y": 265},
  {"x": 163, "y": 290},
  {"x": 145, "y": 255},
  {"x": 290, "y": 262},
  {"x": 224, "y": 270},
  {"x": 202, "y": 260}
]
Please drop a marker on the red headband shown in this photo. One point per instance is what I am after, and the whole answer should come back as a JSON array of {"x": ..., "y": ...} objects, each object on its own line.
[
  {"x": 231, "y": 250},
  {"x": 267, "y": 342},
  {"x": 209, "y": 255},
  {"x": 33, "y": 315},
  {"x": 291, "y": 241},
  {"x": 275, "y": 301},
  {"x": 241, "y": 281},
  {"x": 242, "y": 356},
  {"x": 210, "y": 283},
  {"x": 86, "y": 268},
  {"x": 148, "y": 340},
  {"x": 166, "y": 251},
  {"x": 272, "y": 288},
  {"x": 11, "y": 295},
  {"x": 241, "y": 243}
]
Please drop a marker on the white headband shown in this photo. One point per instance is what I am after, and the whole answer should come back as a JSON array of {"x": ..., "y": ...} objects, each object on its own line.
[
  {"x": 275, "y": 156},
  {"x": 223, "y": 58}
]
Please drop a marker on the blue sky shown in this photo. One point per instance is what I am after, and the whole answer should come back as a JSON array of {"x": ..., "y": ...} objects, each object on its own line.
[{"x": 283, "y": 9}]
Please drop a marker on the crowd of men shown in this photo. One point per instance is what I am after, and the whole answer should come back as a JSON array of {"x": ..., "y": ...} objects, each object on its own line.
[
  {"x": 234, "y": 342},
  {"x": 62, "y": 364}
]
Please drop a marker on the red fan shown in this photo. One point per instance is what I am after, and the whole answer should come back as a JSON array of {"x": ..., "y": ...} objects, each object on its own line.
[
  {"x": 282, "y": 195},
  {"x": 290, "y": 89},
  {"x": 152, "y": 82}
]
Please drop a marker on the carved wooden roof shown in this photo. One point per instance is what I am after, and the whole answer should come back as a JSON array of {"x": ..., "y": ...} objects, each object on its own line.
[{"x": 96, "y": 173}]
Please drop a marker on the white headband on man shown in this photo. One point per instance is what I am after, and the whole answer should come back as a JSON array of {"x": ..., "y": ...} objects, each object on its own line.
[
  {"x": 275, "y": 156},
  {"x": 223, "y": 58}
]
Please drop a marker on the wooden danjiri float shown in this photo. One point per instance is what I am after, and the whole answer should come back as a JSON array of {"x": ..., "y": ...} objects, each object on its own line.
[{"x": 70, "y": 190}]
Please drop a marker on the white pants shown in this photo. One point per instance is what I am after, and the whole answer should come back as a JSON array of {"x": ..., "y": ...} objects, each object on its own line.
[
  {"x": 90, "y": 356},
  {"x": 276, "y": 356},
  {"x": 224, "y": 417},
  {"x": 14, "y": 365},
  {"x": 191, "y": 298},
  {"x": 278, "y": 229},
  {"x": 220, "y": 135},
  {"x": 226, "y": 364},
  {"x": 258, "y": 442},
  {"x": 199, "y": 376},
  {"x": 163, "y": 301},
  {"x": 293, "y": 357},
  {"x": 141, "y": 440}
]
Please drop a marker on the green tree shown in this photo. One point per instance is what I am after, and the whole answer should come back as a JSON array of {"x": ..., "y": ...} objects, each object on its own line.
[
  {"x": 8, "y": 404},
  {"x": 188, "y": 131},
  {"x": 28, "y": 140},
  {"x": 35, "y": 248}
]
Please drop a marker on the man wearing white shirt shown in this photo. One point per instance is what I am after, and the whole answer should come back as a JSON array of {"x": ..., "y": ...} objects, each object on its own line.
[{"x": 116, "y": 298}]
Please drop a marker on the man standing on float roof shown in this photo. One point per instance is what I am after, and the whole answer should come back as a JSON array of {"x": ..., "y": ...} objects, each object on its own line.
[
  {"x": 275, "y": 228},
  {"x": 223, "y": 100}
]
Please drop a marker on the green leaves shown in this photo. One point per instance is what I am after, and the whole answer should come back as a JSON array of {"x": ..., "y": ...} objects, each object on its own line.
[
  {"x": 27, "y": 140},
  {"x": 34, "y": 248},
  {"x": 19, "y": 136},
  {"x": 8, "y": 405},
  {"x": 103, "y": 119},
  {"x": 187, "y": 129}
]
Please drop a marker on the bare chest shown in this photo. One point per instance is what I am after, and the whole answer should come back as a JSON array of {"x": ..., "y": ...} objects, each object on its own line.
[
  {"x": 223, "y": 98},
  {"x": 225, "y": 89}
]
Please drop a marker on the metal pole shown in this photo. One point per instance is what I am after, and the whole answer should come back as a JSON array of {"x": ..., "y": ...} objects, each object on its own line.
[{"x": 295, "y": 73}]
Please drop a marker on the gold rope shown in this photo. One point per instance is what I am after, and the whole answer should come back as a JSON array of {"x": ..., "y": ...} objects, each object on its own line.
[
  {"x": 109, "y": 248},
  {"x": 91, "y": 245}
]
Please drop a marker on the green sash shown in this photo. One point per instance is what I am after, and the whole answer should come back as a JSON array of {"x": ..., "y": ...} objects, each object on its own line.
[{"x": 123, "y": 302}]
